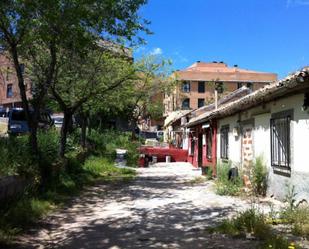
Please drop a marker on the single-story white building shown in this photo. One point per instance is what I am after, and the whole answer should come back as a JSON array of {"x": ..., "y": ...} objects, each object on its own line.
[{"x": 272, "y": 122}]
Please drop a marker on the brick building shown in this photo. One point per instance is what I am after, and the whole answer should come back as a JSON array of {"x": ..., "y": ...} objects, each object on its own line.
[
  {"x": 9, "y": 90},
  {"x": 198, "y": 81}
]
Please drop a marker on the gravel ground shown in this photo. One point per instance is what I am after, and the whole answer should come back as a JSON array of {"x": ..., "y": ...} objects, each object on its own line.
[{"x": 160, "y": 209}]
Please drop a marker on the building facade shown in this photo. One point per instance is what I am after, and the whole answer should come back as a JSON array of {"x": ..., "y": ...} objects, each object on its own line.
[
  {"x": 197, "y": 84},
  {"x": 9, "y": 90},
  {"x": 271, "y": 123}
]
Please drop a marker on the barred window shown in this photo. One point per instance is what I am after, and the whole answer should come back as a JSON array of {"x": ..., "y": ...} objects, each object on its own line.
[
  {"x": 280, "y": 141},
  {"x": 224, "y": 142}
]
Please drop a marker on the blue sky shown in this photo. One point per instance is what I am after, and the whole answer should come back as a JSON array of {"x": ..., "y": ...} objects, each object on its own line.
[{"x": 262, "y": 35}]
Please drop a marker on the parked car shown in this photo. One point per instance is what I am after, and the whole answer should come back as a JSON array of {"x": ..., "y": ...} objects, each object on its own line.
[
  {"x": 18, "y": 124},
  {"x": 58, "y": 120}
]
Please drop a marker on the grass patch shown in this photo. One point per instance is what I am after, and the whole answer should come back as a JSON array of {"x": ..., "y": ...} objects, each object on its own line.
[
  {"x": 23, "y": 214},
  {"x": 254, "y": 223},
  {"x": 26, "y": 211},
  {"x": 104, "y": 169}
]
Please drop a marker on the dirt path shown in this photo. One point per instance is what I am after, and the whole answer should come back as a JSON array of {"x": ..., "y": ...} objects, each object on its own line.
[{"x": 160, "y": 209}]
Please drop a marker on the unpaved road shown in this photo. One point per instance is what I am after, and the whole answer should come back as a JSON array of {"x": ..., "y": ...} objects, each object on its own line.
[{"x": 160, "y": 209}]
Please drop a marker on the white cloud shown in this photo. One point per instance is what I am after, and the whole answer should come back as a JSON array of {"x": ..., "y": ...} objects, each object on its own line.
[{"x": 156, "y": 51}]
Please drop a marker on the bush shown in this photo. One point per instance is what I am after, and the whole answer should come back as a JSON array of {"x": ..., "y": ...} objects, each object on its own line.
[
  {"x": 224, "y": 186},
  {"x": 253, "y": 222},
  {"x": 105, "y": 169},
  {"x": 259, "y": 177},
  {"x": 108, "y": 141},
  {"x": 16, "y": 157},
  {"x": 298, "y": 217}
]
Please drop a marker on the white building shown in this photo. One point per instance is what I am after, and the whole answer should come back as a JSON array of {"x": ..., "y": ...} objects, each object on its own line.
[{"x": 272, "y": 122}]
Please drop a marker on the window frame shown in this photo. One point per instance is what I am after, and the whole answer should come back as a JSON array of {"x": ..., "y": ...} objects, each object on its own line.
[
  {"x": 281, "y": 121},
  {"x": 185, "y": 107},
  {"x": 198, "y": 102},
  {"x": 9, "y": 94},
  {"x": 224, "y": 142},
  {"x": 201, "y": 88},
  {"x": 186, "y": 86}
]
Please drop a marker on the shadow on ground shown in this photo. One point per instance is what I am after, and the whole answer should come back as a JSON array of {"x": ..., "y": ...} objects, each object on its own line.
[{"x": 152, "y": 212}]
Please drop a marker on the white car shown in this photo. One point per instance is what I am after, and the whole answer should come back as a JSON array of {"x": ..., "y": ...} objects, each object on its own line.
[{"x": 58, "y": 120}]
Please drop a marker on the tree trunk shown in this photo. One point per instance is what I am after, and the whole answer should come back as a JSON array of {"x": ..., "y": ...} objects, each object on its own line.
[
  {"x": 89, "y": 126},
  {"x": 25, "y": 103},
  {"x": 64, "y": 132}
]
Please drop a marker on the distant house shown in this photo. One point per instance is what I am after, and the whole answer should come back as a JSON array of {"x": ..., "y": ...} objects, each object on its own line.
[
  {"x": 198, "y": 82},
  {"x": 272, "y": 122},
  {"x": 9, "y": 90}
]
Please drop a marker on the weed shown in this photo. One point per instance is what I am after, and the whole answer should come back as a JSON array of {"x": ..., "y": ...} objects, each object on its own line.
[
  {"x": 253, "y": 222},
  {"x": 224, "y": 186},
  {"x": 259, "y": 177}
]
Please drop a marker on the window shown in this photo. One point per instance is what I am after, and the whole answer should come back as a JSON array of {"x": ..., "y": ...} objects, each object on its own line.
[
  {"x": 186, "y": 104},
  {"x": 224, "y": 142},
  {"x": 200, "y": 103},
  {"x": 280, "y": 139},
  {"x": 201, "y": 86},
  {"x": 209, "y": 144},
  {"x": 9, "y": 91},
  {"x": 239, "y": 85},
  {"x": 186, "y": 87}
]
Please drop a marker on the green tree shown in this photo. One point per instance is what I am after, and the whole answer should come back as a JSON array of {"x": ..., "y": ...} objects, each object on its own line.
[
  {"x": 82, "y": 80},
  {"x": 38, "y": 31}
]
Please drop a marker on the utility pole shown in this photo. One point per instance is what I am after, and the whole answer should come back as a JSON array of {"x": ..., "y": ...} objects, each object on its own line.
[{"x": 216, "y": 99}]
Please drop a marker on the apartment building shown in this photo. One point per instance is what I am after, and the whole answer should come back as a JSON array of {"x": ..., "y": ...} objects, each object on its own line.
[
  {"x": 197, "y": 84},
  {"x": 9, "y": 90}
]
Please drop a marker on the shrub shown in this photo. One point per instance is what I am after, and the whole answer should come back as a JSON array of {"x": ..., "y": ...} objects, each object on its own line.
[
  {"x": 259, "y": 177},
  {"x": 299, "y": 218},
  {"x": 253, "y": 222},
  {"x": 224, "y": 186},
  {"x": 108, "y": 141},
  {"x": 250, "y": 221}
]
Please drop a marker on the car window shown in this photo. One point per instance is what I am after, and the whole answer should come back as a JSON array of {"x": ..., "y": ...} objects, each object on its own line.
[{"x": 18, "y": 116}]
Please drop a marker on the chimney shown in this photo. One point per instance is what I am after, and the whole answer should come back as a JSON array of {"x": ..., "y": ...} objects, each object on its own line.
[
  {"x": 221, "y": 62},
  {"x": 214, "y": 62},
  {"x": 198, "y": 61},
  {"x": 235, "y": 65}
]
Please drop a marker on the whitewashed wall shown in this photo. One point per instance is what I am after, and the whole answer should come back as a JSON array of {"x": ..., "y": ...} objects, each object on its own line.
[
  {"x": 234, "y": 151},
  {"x": 278, "y": 184}
]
